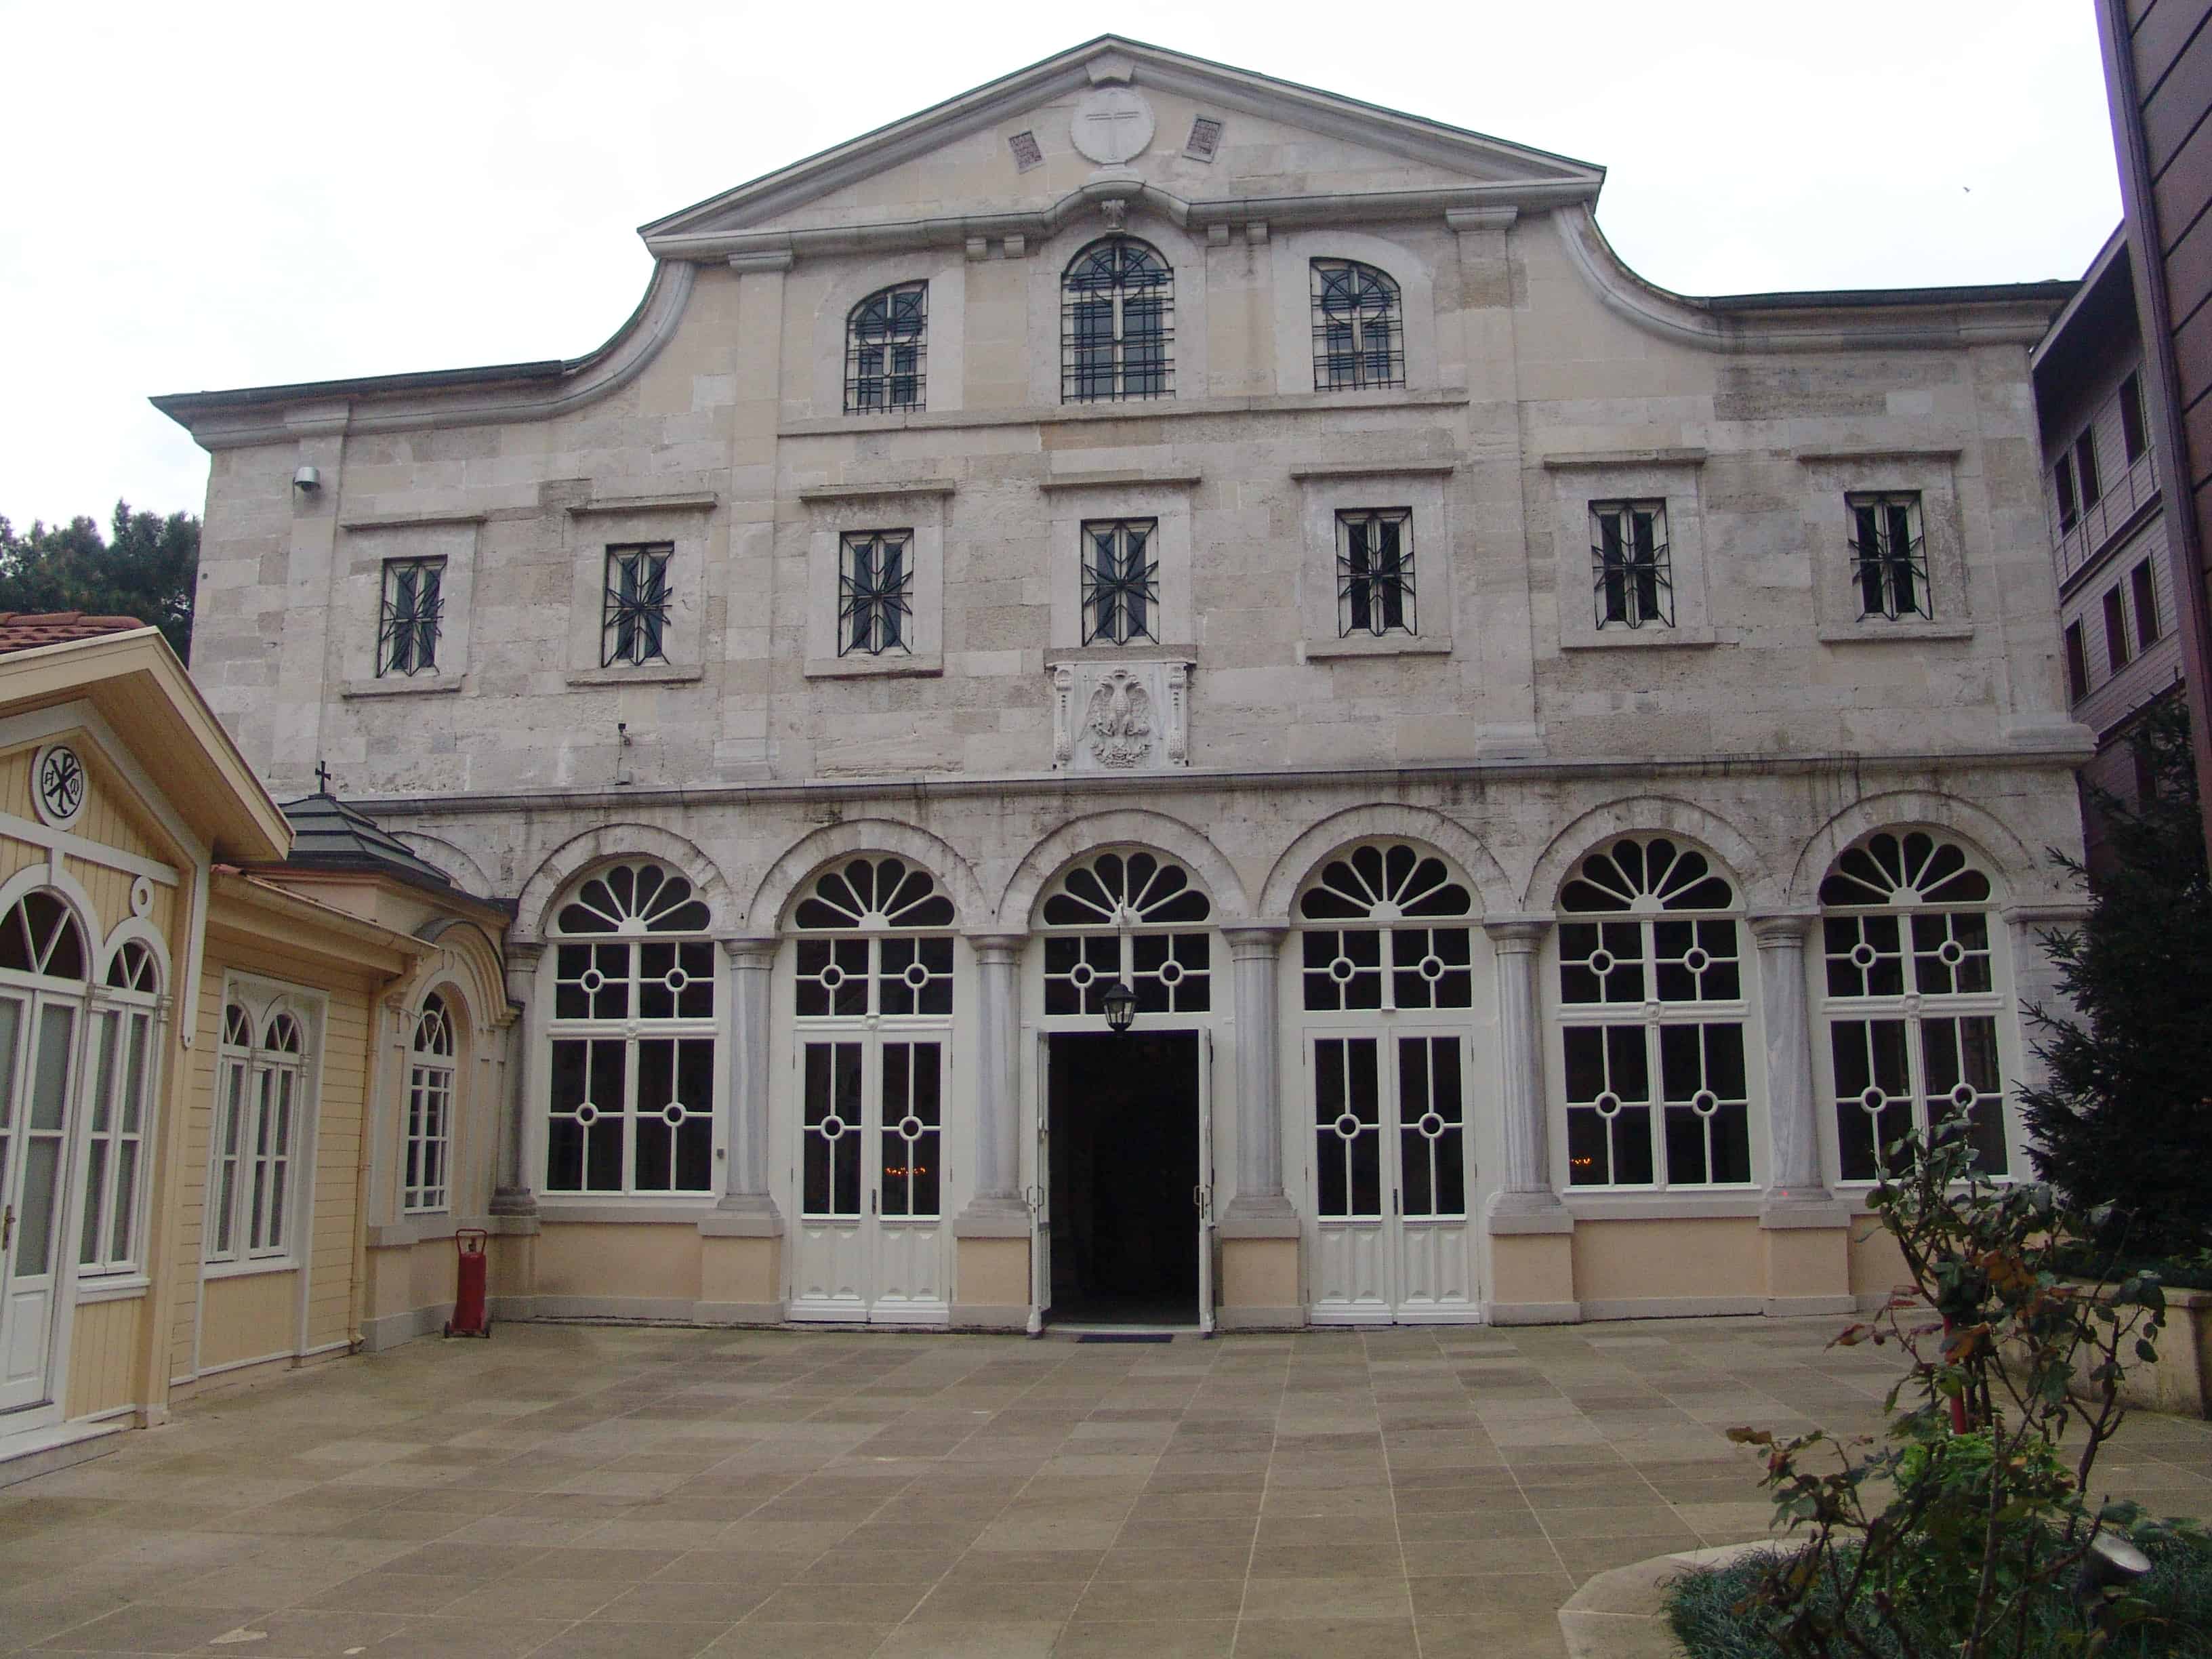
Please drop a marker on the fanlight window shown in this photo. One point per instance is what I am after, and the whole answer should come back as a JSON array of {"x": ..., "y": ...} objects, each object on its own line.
[
  {"x": 886, "y": 339},
  {"x": 430, "y": 1109},
  {"x": 1913, "y": 999},
  {"x": 1651, "y": 1012},
  {"x": 133, "y": 967},
  {"x": 42, "y": 935},
  {"x": 1359, "y": 327},
  {"x": 1378, "y": 961},
  {"x": 1128, "y": 903},
  {"x": 901, "y": 971},
  {"x": 1117, "y": 323},
  {"x": 634, "y": 1038}
]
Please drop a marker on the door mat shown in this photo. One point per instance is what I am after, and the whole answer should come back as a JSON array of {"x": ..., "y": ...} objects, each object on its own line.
[{"x": 1125, "y": 1336}]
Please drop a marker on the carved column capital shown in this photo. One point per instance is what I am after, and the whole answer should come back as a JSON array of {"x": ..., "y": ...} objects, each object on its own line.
[
  {"x": 1515, "y": 935},
  {"x": 1782, "y": 929},
  {"x": 994, "y": 948},
  {"x": 751, "y": 951}
]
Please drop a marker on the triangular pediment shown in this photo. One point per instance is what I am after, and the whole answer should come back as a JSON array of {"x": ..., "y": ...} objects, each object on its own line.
[{"x": 1198, "y": 140}]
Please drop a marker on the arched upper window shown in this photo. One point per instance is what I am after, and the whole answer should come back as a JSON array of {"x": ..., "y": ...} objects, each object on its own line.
[
  {"x": 1912, "y": 1005},
  {"x": 634, "y": 1038},
  {"x": 1117, "y": 324},
  {"x": 903, "y": 971},
  {"x": 261, "y": 1079},
  {"x": 886, "y": 346},
  {"x": 428, "y": 1152},
  {"x": 1651, "y": 1012},
  {"x": 1112, "y": 917},
  {"x": 134, "y": 968},
  {"x": 42, "y": 935},
  {"x": 1359, "y": 327},
  {"x": 1373, "y": 959}
]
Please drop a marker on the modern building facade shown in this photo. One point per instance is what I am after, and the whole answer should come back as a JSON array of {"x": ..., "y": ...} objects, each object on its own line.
[
  {"x": 1553, "y": 774},
  {"x": 2120, "y": 612}
]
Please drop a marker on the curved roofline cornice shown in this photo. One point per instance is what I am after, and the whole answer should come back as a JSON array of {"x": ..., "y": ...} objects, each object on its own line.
[
  {"x": 1884, "y": 319},
  {"x": 459, "y": 396},
  {"x": 1350, "y": 207}
]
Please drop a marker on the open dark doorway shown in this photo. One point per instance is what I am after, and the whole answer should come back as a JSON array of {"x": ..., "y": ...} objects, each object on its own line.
[{"x": 1125, "y": 1162}]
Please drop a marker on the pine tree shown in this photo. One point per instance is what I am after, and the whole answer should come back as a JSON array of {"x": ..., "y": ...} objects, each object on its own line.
[
  {"x": 146, "y": 568},
  {"x": 2127, "y": 1118}
]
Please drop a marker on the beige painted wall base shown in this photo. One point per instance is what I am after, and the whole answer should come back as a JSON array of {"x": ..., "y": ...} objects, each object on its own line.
[
  {"x": 1255, "y": 1318},
  {"x": 1532, "y": 1269},
  {"x": 1258, "y": 1274},
  {"x": 991, "y": 1274},
  {"x": 741, "y": 1272}
]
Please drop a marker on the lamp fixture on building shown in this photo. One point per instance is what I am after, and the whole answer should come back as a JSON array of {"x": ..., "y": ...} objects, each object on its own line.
[{"x": 1120, "y": 1004}]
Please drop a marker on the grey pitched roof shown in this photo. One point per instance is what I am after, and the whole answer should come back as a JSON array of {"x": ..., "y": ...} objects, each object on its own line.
[{"x": 328, "y": 835}]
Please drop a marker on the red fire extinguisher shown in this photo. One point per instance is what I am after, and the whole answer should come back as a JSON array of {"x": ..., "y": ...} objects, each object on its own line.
[{"x": 470, "y": 1318}]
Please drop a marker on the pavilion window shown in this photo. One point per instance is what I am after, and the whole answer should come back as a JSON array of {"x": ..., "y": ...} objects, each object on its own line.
[{"x": 425, "y": 1186}]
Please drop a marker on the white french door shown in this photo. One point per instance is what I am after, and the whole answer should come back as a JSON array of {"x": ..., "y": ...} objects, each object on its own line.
[
  {"x": 869, "y": 1246},
  {"x": 38, "y": 1065},
  {"x": 1391, "y": 1174},
  {"x": 1038, "y": 1194},
  {"x": 1202, "y": 1195}
]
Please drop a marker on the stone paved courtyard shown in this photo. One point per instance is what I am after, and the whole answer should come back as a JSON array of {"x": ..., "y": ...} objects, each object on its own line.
[{"x": 570, "y": 1492}]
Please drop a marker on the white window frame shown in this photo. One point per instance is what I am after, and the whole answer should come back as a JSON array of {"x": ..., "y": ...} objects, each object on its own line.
[
  {"x": 253, "y": 1145},
  {"x": 123, "y": 1019},
  {"x": 426, "y": 1168}
]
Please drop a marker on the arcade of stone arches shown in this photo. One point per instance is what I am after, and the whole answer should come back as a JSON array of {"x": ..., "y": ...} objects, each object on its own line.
[{"x": 1378, "y": 1081}]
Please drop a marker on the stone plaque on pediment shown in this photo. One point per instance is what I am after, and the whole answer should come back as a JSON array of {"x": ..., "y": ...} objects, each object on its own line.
[
  {"x": 1120, "y": 716},
  {"x": 1111, "y": 125}
]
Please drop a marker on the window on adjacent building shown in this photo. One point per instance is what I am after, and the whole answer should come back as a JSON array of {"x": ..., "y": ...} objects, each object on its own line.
[
  {"x": 873, "y": 994},
  {"x": 1374, "y": 572},
  {"x": 1359, "y": 327},
  {"x": 1889, "y": 559},
  {"x": 886, "y": 344},
  {"x": 631, "y": 1107},
  {"x": 2143, "y": 589},
  {"x": 428, "y": 1156},
  {"x": 2077, "y": 663},
  {"x": 875, "y": 592},
  {"x": 1631, "y": 575},
  {"x": 407, "y": 626},
  {"x": 2133, "y": 437},
  {"x": 1120, "y": 580},
  {"x": 2085, "y": 468},
  {"x": 1913, "y": 1003},
  {"x": 1117, "y": 323},
  {"x": 260, "y": 1076},
  {"x": 123, "y": 1055},
  {"x": 635, "y": 628},
  {"x": 2116, "y": 649},
  {"x": 2069, "y": 505},
  {"x": 1652, "y": 1011}
]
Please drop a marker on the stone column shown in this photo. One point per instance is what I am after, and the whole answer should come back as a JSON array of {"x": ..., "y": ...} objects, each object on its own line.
[
  {"x": 1253, "y": 952},
  {"x": 2035, "y": 975},
  {"x": 1793, "y": 1174},
  {"x": 745, "y": 1181},
  {"x": 995, "y": 1206},
  {"x": 515, "y": 1192},
  {"x": 1527, "y": 1191}
]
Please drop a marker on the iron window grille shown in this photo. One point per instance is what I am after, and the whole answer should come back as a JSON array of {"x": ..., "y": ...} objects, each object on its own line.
[
  {"x": 1117, "y": 324},
  {"x": 1359, "y": 327},
  {"x": 1120, "y": 580},
  {"x": 635, "y": 626},
  {"x": 1889, "y": 559},
  {"x": 408, "y": 620},
  {"x": 1375, "y": 573},
  {"x": 1631, "y": 571},
  {"x": 875, "y": 593},
  {"x": 886, "y": 343}
]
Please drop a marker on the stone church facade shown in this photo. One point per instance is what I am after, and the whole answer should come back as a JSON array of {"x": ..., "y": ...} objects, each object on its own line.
[{"x": 1562, "y": 771}]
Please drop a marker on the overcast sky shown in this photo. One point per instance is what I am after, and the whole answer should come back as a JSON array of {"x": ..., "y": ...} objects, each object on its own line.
[{"x": 232, "y": 194}]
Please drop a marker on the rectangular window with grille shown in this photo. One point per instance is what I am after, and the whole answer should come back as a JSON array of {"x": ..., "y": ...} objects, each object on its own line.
[
  {"x": 1632, "y": 574},
  {"x": 408, "y": 620},
  {"x": 875, "y": 593},
  {"x": 1120, "y": 580},
  {"x": 1374, "y": 572},
  {"x": 634, "y": 626},
  {"x": 1889, "y": 559}
]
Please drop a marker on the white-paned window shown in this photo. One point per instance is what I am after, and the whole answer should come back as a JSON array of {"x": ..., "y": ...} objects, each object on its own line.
[
  {"x": 260, "y": 1076},
  {"x": 1652, "y": 1016},
  {"x": 124, "y": 1055},
  {"x": 1912, "y": 1005},
  {"x": 633, "y": 1036},
  {"x": 1130, "y": 917},
  {"x": 429, "y": 1150}
]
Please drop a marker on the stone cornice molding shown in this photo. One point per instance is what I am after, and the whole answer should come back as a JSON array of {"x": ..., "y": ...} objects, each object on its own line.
[
  {"x": 1386, "y": 468},
  {"x": 695, "y": 502},
  {"x": 1605, "y": 458},
  {"x": 444, "y": 398},
  {"x": 1883, "y": 320},
  {"x": 816, "y": 494}
]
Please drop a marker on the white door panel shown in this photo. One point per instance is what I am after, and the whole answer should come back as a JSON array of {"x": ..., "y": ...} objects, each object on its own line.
[{"x": 40, "y": 1041}]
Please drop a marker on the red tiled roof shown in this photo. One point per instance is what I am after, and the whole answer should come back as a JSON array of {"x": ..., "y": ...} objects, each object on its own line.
[{"x": 23, "y": 630}]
